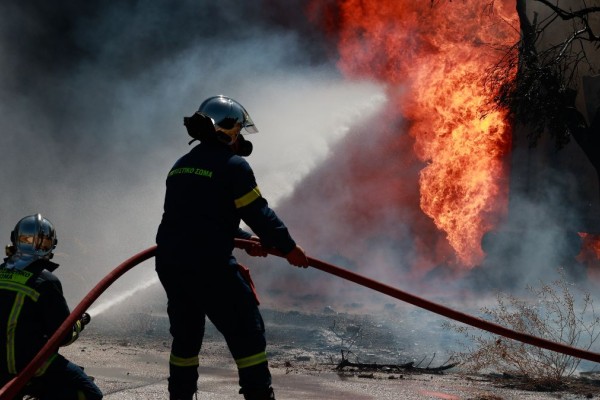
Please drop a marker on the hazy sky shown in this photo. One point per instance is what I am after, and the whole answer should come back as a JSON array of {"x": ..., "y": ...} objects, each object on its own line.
[
  {"x": 92, "y": 100},
  {"x": 93, "y": 96}
]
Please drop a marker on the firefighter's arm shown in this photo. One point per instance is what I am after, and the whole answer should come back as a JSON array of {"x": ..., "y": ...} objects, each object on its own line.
[
  {"x": 254, "y": 210},
  {"x": 272, "y": 232},
  {"x": 255, "y": 250},
  {"x": 55, "y": 311},
  {"x": 242, "y": 234},
  {"x": 268, "y": 227},
  {"x": 297, "y": 257},
  {"x": 77, "y": 328}
]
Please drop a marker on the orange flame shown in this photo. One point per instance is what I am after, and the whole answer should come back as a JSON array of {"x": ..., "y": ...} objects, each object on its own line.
[
  {"x": 433, "y": 59},
  {"x": 590, "y": 254}
]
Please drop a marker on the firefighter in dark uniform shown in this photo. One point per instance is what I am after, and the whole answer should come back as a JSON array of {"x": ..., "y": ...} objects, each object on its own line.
[
  {"x": 32, "y": 307},
  {"x": 209, "y": 190}
]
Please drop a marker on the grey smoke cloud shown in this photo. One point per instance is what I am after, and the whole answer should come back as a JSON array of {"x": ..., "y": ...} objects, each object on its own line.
[{"x": 92, "y": 98}]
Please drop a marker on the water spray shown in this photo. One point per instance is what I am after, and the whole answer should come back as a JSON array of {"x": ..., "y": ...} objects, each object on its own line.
[
  {"x": 108, "y": 304},
  {"x": 16, "y": 384}
]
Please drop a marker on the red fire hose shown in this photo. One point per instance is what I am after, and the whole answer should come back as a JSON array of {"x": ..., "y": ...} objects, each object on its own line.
[
  {"x": 439, "y": 309},
  {"x": 16, "y": 384}
]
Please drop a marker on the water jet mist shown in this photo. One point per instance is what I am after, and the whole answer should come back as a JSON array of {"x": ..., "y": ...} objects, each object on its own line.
[{"x": 120, "y": 298}]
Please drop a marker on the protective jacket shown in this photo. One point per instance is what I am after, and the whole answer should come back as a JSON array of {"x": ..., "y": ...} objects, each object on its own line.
[
  {"x": 209, "y": 190},
  {"x": 32, "y": 307}
]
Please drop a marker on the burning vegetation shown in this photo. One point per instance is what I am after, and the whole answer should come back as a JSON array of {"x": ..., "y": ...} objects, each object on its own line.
[
  {"x": 433, "y": 60},
  {"x": 421, "y": 185}
]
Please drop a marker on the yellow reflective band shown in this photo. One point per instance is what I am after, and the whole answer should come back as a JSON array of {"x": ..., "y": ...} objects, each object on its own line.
[
  {"x": 24, "y": 290},
  {"x": 11, "y": 327},
  {"x": 251, "y": 361},
  {"x": 42, "y": 370},
  {"x": 184, "y": 362},
  {"x": 77, "y": 328},
  {"x": 247, "y": 198}
]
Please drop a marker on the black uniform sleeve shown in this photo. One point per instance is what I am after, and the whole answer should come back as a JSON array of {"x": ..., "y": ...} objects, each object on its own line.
[
  {"x": 254, "y": 210},
  {"x": 55, "y": 308},
  {"x": 269, "y": 228},
  {"x": 242, "y": 234}
]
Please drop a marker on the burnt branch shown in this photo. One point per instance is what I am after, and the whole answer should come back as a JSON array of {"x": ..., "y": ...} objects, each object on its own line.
[
  {"x": 536, "y": 81},
  {"x": 393, "y": 367},
  {"x": 568, "y": 15}
]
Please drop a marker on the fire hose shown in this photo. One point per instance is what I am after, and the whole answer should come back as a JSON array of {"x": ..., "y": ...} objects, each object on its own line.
[{"x": 12, "y": 388}]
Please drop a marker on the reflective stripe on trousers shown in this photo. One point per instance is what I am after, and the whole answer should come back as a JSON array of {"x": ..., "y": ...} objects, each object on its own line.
[
  {"x": 252, "y": 360},
  {"x": 184, "y": 362}
]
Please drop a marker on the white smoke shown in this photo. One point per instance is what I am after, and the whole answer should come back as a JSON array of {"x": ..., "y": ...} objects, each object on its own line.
[{"x": 92, "y": 105}]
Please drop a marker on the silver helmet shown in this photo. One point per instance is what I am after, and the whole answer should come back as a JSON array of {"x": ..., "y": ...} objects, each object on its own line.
[
  {"x": 228, "y": 117},
  {"x": 33, "y": 238}
]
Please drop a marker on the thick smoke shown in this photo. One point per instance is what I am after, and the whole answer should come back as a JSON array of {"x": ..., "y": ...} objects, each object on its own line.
[
  {"x": 93, "y": 97},
  {"x": 361, "y": 209}
]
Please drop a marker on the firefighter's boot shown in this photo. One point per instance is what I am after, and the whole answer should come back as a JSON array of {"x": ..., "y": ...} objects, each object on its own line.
[
  {"x": 258, "y": 394},
  {"x": 183, "y": 397}
]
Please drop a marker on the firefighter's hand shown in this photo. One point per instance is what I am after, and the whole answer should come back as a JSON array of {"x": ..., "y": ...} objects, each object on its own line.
[
  {"x": 297, "y": 257},
  {"x": 256, "y": 249},
  {"x": 85, "y": 319}
]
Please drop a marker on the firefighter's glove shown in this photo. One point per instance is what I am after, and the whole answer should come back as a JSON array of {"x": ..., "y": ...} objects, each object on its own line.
[
  {"x": 297, "y": 257},
  {"x": 85, "y": 319},
  {"x": 199, "y": 127},
  {"x": 256, "y": 249}
]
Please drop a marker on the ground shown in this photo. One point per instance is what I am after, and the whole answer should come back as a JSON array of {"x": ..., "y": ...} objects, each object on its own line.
[{"x": 128, "y": 356}]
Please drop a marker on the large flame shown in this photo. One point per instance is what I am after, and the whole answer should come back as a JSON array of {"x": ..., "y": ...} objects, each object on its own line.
[{"x": 433, "y": 57}]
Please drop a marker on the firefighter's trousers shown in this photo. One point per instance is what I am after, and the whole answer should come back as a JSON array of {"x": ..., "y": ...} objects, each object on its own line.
[
  {"x": 228, "y": 301},
  {"x": 63, "y": 380}
]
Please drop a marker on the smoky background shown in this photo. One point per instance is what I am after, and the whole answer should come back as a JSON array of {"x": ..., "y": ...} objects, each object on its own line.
[{"x": 92, "y": 100}]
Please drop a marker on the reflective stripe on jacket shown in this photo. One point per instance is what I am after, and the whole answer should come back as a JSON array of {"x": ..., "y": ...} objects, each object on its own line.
[
  {"x": 209, "y": 191},
  {"x": 32, "y": 307}
]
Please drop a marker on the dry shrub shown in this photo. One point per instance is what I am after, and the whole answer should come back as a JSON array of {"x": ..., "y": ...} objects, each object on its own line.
[{"x": 552, "y": 312}]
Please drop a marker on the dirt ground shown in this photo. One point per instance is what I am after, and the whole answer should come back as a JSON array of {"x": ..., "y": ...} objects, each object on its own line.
[{"x": 128, "y": 356}]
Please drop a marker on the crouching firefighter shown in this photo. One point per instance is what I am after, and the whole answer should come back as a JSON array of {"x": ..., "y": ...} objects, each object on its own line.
[
  {"x": 210, "y": 190},
  {"x": 32, "y": 307}
]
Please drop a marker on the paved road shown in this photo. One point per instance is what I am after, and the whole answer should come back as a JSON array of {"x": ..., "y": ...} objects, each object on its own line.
[
  {"x": 220, "y": 383},
  {"x": 124, "y": 371}
]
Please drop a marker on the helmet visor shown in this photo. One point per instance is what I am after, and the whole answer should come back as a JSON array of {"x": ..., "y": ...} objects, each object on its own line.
[
  {"x": 226, "y": 113},
  {"x": 249, "y": 124}
]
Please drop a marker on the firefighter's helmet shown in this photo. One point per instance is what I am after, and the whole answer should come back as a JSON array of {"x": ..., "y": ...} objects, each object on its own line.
[
  {"x": 228, "y": 117},
  {"x": 35, "y": 236}
]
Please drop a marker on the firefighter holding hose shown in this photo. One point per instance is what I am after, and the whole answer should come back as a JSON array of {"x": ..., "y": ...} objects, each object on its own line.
[
  {"x": 209, "y": 191},
  {"x": 32, "y": 307}
]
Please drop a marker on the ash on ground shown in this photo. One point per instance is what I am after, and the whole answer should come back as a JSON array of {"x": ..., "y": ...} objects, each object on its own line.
[
  {"x": 390, "y": 335},
  {"x": 304, "y": 343}
]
